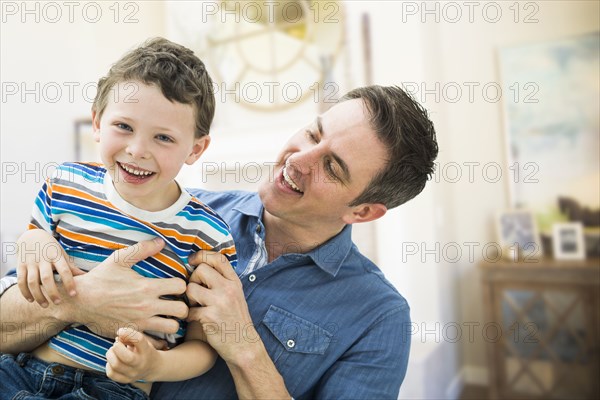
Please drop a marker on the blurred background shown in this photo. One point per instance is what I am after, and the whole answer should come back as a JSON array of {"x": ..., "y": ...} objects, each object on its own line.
[{"x": 498, "y": 257}]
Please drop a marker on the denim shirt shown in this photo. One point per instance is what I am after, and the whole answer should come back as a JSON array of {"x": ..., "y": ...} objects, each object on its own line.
[{"x": 332, "y": 324}]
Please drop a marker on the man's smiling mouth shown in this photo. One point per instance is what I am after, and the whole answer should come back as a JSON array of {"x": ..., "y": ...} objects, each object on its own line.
[{"x": 287, "y": 180}]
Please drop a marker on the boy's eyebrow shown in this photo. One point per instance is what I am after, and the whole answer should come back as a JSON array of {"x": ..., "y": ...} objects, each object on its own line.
[{"x": 337, "y": 158}]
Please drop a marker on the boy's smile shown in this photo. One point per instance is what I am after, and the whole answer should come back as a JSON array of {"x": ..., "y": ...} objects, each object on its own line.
[{"x": 144, "y": 141}]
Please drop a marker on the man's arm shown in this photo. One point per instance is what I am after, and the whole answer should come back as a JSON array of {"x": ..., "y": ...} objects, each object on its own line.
[
  {"x": 110, "y": 296},
  {"x": 215, "y": 286}
]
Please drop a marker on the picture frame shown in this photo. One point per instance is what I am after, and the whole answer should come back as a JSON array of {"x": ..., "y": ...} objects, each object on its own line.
[
  {"x": 85, "y": 147},
  {"x": 517, "y": 230},
  {"x": 568, "y": 241}
]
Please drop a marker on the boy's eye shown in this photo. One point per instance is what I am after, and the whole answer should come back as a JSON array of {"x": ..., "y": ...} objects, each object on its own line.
[
  {"x": 125, "y": 127},
  {"x": 164, "y": 138}
]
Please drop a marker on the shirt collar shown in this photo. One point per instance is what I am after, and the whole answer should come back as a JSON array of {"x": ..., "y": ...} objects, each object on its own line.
[{"x": 329, "y": 256}]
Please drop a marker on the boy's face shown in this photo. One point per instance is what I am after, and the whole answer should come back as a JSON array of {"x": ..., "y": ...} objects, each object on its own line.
[{"x": 144, "y": 141}]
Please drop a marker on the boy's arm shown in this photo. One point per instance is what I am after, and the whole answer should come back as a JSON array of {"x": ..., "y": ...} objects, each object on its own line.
[
  {"x": 109, "y": 296},
  {"x": 133, "y": 358}
]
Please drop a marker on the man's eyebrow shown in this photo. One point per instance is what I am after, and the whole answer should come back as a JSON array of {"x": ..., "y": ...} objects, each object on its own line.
[{"x": 337, "y": 158}]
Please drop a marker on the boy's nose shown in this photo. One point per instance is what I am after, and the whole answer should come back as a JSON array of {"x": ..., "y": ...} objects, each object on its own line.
[{"x": 137, "y": 149}]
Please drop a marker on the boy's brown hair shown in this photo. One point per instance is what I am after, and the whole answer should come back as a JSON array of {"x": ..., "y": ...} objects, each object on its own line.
[{"x": 175, "y": 69}]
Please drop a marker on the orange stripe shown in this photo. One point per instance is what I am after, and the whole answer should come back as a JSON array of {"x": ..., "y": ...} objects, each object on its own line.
[
  {"x": 78, "y": 193},
  {"x": 80, "y": 237}
]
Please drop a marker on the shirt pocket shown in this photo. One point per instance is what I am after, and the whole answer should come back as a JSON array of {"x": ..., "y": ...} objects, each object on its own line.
[{"x": 296, "y": 345}]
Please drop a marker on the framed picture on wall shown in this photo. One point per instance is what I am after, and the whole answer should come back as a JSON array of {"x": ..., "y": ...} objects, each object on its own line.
[
  {"x": 567, "y": 241},
  {"x": 518, "y": 229},
  {"x": 551, "y": 98},
  {"x": 85, "y": 148}
]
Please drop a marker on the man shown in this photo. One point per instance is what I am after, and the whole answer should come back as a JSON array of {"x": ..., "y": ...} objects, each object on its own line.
[{"x": 308, "y": 316}]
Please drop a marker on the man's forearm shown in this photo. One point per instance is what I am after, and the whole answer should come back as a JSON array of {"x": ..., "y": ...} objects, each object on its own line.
[
  {"x": 255, "y": 375},
  {"x": 24, "y": 325}
]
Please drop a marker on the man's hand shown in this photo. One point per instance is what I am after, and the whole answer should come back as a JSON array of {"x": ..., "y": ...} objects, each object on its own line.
[
  {"x": 112, "y": 295},
  {"x": 215, "y": 286}
]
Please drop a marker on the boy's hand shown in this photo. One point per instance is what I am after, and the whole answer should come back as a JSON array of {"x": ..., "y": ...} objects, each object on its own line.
[
  {"x": 39, "y": 256},
  {"x": 132, "y": 357}
]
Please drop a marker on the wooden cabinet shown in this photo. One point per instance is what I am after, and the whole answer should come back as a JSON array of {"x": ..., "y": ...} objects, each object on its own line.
[{"x": 547, "y": 315}]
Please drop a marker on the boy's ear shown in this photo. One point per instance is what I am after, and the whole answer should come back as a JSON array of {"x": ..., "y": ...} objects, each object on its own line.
[
  {"x": 365, "y": 213},
  {"x": 96, "y": 126},
  {"x": 200, "y": 145}
]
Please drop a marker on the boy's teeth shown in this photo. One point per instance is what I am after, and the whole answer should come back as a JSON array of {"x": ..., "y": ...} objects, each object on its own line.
[
  {"x": 135, "y": 171},
  {"x": 289, "y": 180}
]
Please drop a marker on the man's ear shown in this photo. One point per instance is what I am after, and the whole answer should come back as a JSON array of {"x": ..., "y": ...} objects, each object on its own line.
[
  {"x": 96, "y": 126},
  {"x": 365, "y": 213},
  {"x": 200, "y": 146}
]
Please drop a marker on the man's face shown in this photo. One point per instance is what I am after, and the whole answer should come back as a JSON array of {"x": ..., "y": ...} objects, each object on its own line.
[
  {"x": 324, "y": 167},
  {"x": 144, "y": 141}
]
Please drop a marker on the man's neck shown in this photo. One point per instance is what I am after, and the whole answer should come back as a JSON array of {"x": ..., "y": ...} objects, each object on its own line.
[{"x": 282, "y": 237}]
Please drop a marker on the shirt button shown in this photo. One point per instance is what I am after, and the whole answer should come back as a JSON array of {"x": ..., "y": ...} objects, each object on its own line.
[
  {"x": 258, "y": 228},
  {"x": 290, "y": 343},
  {"x": 252, "y": 278},
  {"x": 57, "y": 370}
]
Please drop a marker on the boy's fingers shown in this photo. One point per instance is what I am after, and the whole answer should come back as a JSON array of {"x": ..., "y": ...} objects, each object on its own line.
[
  {"x": 130, "y": 336},
  {"x": 47, "y": 279},
  {"x": 64, "y": 270},
  {"x": 123, "y": 356},
  {"x": 33, "y": 283},
  {"x": 22, "y": 282}
]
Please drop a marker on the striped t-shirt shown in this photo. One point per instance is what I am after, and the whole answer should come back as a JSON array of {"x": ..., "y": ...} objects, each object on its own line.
[{"x": 81, "y": 208}]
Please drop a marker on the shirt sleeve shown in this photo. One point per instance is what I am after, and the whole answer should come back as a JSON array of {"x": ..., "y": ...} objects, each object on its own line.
[
  {"x": 41, "y": 214},
  {"x": 375, "y": 366},
  {"x": 227, "y": 248}
]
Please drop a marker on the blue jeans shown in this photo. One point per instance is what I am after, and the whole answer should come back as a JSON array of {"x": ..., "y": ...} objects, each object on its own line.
[{"x": 27, "y": 378}]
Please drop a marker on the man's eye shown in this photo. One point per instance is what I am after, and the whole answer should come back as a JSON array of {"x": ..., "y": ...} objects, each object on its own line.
[
  {"x": 164, "y": 138},
  {"x": 330, "y": 168},
  {"x": 312, "y": 136},
  {"x": 124, "y": 127}
]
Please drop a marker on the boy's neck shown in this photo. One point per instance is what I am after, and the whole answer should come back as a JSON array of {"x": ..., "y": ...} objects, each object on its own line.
[{"x": 158, "y": 202}]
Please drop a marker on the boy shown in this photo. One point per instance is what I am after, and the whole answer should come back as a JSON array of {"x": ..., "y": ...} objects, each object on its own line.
[{"x": 152, "y": 114}]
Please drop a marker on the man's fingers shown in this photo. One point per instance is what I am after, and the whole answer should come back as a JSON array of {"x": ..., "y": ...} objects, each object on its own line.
[
  {"x": 169, "y": 286},
  {"x": 216, "y": 260},
  {"x": 161, "y": 324},
  {"x": 197, "y": 293},
  {"x": 129, "y": 256},
  {"x": 205, "y": 275},
  {"x": 196, "y": 314},
  {"x": 158, "y": 344}
]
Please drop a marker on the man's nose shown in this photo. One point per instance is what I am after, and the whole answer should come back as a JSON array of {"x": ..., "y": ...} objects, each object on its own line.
[{"x": 304, "y": 162}]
